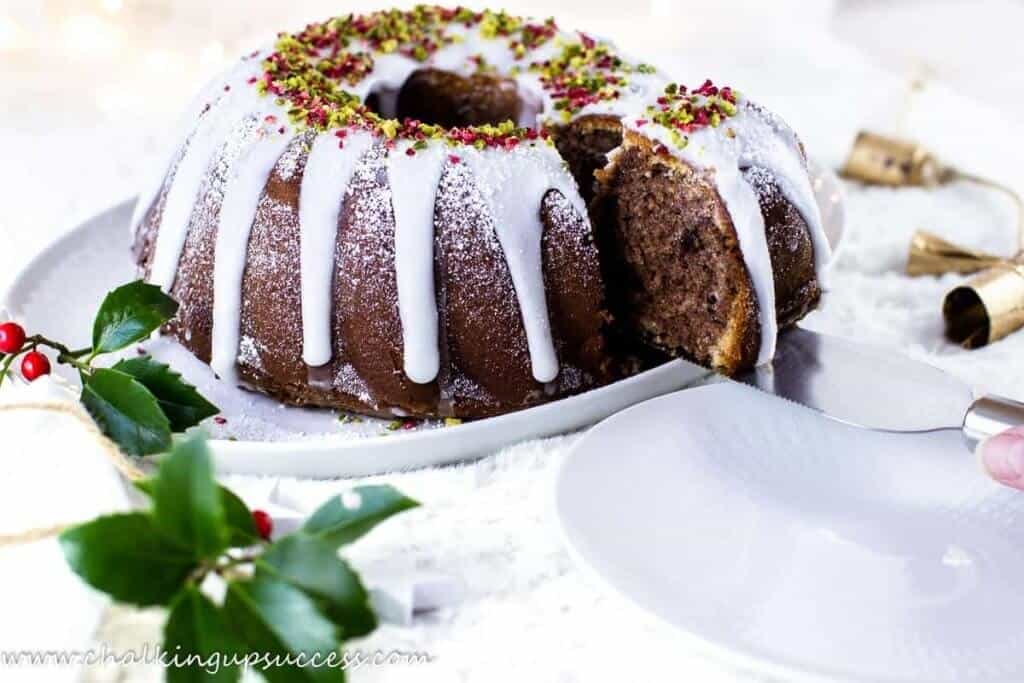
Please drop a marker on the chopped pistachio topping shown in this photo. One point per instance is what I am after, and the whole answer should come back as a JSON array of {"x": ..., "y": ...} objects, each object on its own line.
[
  {"x": 584, "y": 73},
  {"x": 683, "y": 111},
  {"x": 308, "y": 72},
  {"x": 311, "y": 74}
]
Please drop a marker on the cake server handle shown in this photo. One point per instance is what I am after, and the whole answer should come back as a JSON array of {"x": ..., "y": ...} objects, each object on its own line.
[{"x": 990, "y": 415}]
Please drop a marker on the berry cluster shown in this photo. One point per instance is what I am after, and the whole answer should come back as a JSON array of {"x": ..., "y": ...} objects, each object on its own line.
[{"x": 14, "y": 343}]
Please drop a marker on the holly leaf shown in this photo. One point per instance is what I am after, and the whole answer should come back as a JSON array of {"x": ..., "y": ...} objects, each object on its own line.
[
  {"x": 187, "y": 505},
  {"x": 346, "y": 517},
  {"x": 196, "y": 632},
  {"x": 126, "y": 557},
  {"x": 129, "y": 314},
  {"x": 313, "y": 565},
  {"x": 237, "y": 515},
  {"x": 182, "y": 404},
  {"x": 274, "y": 618},
  {"x": 127, "y": 412},
  {"x": 239, "y": 520}
]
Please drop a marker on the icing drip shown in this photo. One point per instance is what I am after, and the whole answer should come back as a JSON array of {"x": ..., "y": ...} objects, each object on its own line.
[
  {"x": 324, "y": 183},
  {"x": 414, "y": 180},
  {"x": 245, "y": 186},
  {"x": 209, "y": 96},
  {"x": 779, "y": 152},
  {"x": 213, "y": 128},
  {"x": 513, "y": 185},
  {"x": 745, "y": 211}
]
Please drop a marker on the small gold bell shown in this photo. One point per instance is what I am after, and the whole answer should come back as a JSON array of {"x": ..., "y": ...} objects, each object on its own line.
[
  {"x": 932, "y": 255},
  {"x": 987, "y": 307},
  {"x": 881, "y": 160}
]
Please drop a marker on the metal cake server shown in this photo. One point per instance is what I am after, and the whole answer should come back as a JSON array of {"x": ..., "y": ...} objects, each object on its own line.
[{"x": 878, "y": 389}]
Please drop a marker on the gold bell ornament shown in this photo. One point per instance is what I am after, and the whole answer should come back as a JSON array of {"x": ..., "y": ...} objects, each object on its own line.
[{"x": 990, "y": 305}]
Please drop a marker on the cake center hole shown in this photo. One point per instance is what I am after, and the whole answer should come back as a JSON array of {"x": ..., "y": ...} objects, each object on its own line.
[{"x": 447, "y": 99}]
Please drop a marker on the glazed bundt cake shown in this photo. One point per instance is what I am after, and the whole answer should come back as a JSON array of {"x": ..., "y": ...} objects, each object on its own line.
[{"x": 442, "y": 212}]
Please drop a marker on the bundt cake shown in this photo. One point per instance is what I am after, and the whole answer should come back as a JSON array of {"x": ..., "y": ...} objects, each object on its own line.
[{"x": 442, "y": 212}]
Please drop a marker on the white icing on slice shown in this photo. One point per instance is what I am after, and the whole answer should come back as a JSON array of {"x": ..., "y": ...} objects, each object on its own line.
[
  {"x": 413, "y": 181},
  {"x": 758, "y": 139},
  {"x": 745, "y": 211},
  {"x": 514, "y": 184},
  {"x": 241, "y": 197},
  {"x": 324, "y": 182},
  {"x": 779, "y": 153}
]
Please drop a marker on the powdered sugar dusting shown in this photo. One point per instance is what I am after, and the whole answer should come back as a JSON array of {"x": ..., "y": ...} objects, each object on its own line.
[
  {"x": 249, "y": 353},
  {"x": 347, "y": 379}
]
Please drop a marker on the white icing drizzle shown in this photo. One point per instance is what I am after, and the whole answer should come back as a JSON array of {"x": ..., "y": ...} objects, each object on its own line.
[
  {"x": 241, "y": 197},
  {"x": 324, "y": 184},
  {"x": 780, "y": 154},
  {"x": 209, "y": 96},
  {"x": 414, "y": 180},
  {"x": 513, "y": 183},
  {"x": 210, "y": 133},
  {"x": 745, "y": 211}
]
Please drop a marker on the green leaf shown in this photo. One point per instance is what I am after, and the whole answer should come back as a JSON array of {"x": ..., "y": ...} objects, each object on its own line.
[
  {"x": 197, "y": 633},
  {"x": 182, "y": 404},
  {"x": 127, "y": 412},
  {"x": 239, "y": 520},
  {"x": 344, "y": 518},
  {"x": 126, "y": 557},
  {"x": 313, "y": 565},
  {"x": 129, "y": 314},
  {"x": 237, "y": 515},
  {"x": 186, "y": 501},
  {"x": 274, "y": 618}
]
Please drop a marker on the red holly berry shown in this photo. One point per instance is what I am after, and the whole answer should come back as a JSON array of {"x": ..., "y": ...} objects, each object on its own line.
[
  {"x": 12, "y": 336},
  {"x": 34, "y": 365},
  {"x": 264, "y": 524}
]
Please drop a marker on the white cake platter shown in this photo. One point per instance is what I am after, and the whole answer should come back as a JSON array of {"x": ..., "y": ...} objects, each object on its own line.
[{"x": 57, "y": 294}]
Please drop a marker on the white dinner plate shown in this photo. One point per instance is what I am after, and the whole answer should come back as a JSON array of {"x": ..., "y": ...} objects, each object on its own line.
[
  {"x": 799, "y": 548},
  {"x": 57, "y": 295}
]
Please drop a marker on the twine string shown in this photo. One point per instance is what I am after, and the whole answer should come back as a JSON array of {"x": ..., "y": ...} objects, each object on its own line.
[
  {"x": 1007, "y": 191},
  {"x": 121, "y": 463}
]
